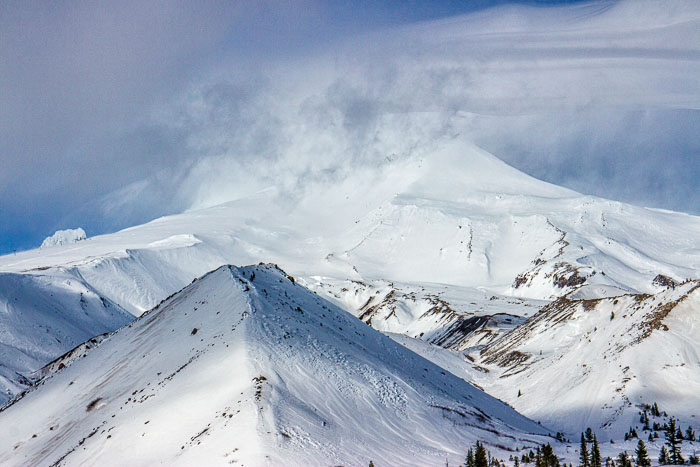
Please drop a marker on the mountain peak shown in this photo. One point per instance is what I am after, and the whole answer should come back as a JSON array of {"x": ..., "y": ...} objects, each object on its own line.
[{"x": 246, "y": 365}]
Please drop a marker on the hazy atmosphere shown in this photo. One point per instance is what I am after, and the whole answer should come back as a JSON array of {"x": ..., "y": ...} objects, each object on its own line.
[{"x": 112, "y": 114}]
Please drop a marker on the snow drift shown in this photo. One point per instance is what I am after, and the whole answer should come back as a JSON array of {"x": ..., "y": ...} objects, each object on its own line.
[{"x": 63, "y": 237}]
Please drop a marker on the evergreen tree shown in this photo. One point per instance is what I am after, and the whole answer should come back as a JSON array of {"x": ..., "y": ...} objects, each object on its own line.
[
  {"x": 595, "y": 453},
  {"x": 584, "y": 458},
  {"x": 690, "y": 434},
  {"x": 549, "y": 459},
  {"x": 470, "y": 458},
  {"x": 674, "y": 444},
  {"x": 538, "y": 458},
  {"x": 589, "y": 435},
  {"x": 642, "y": 455},
  {"x": 517, "y": 462},
  {"x": 371, "y": 464},
  {"x": 663, "y": 456},
  {"x": 623, "y": 460},
  {"x": 480, "y": 458}
]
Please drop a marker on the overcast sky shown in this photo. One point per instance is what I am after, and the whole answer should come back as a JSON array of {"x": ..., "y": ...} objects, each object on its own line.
[{"x": 113, "y": 113}]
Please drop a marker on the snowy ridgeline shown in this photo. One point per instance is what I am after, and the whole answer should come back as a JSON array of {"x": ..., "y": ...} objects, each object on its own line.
[
  {"x": 246, "y": 367},
  {"x": 63, "y": 237}
]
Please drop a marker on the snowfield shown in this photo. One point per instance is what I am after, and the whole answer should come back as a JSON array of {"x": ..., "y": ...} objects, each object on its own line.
[{"x": 596, "y": 362}]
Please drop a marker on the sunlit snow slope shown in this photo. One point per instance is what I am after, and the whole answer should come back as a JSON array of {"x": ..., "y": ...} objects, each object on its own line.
[
  {"x": 580, "y": 363},
  {"x": 246, "y": 367}
]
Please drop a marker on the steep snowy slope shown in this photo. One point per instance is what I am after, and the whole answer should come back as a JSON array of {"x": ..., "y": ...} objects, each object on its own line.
[
  {"x": 595, "y": 363},
  {"x": 42, "y": 316},
  {"x": 246, "y": 367}
]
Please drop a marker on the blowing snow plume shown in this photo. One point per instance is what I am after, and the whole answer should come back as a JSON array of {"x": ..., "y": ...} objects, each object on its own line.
[{"x": 600, "y": 97}]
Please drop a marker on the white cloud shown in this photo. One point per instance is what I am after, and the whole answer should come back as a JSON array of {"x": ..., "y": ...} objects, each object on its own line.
[
  {"x": 194, "y": 108},
  {"x": 575, "y": 94}
]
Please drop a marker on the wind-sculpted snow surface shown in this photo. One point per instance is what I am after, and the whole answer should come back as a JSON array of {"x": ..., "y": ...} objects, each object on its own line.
[{"x": 246, "y": 367}]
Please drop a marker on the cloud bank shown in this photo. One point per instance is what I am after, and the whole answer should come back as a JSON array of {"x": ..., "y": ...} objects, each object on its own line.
[{"x": 600, "y": 97}]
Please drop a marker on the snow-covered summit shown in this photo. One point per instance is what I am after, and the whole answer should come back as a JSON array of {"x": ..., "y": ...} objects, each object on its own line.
[
  {"x": 246, "y": 366},
  {"x": 63, "y": 237},
  {"x": 456, "y": 216},
  {"x": 461, "y": 219}
]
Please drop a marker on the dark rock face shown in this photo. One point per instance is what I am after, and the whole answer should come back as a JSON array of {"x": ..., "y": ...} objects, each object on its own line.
[{"x": 664, "y": 281}]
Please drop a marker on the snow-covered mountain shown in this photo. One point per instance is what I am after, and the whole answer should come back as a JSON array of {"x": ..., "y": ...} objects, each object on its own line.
[
  {"x": 246, "y": 367},
  {"x": 459, "y": 217},
  {"x": 598, "y": 363},
  {"x": 450, "y": 245},
  {"x": 369, "y": 182},
  {"x": 570, "y": 363}
]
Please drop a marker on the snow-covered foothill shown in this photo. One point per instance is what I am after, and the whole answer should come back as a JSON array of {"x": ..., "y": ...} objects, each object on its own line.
[
  {"x": 43, "y": 316},
  {"x": 599, "y": 362},
  {"x": 245, "y": 366}
]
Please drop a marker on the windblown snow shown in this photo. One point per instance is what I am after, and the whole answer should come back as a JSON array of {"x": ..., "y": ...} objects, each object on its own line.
[{"x": 62, "y": 237}]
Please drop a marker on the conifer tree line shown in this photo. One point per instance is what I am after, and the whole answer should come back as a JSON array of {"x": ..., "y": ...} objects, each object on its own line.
[
  {"x": 670, "y": 453},
  {"x": 589, "y": 451},
  {"x": 648, "y": 425},
  {"x": 478, "y": 456},
  {"x": 543, "y": 456},
  {"x": 592, "y": 458}
]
